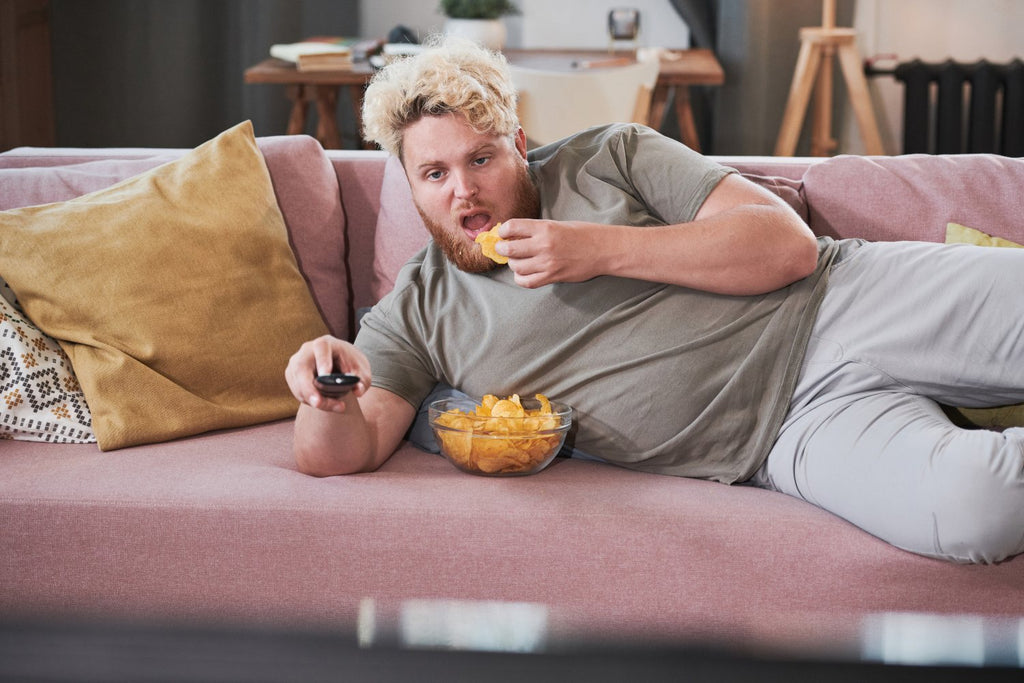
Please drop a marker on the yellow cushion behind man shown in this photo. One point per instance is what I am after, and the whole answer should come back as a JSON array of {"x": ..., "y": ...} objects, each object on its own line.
[{"x": 175, "y": 293}]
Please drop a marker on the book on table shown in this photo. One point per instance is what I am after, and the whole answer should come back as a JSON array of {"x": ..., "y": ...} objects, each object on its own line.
[{"x": 324, "y": 53}]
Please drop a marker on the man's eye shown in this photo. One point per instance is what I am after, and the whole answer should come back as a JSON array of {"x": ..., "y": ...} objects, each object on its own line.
[
  {"x": 481, "y": 161},
  {"x": 434, "y": 175}
]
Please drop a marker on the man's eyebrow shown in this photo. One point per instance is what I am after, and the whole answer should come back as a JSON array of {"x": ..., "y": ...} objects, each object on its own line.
[
  {"x": 485, "y": 147},
  {"x": 428, "y": 164}
]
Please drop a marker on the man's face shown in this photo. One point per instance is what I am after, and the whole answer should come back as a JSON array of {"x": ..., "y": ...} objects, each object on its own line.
[{"x": 465, "y": 182}]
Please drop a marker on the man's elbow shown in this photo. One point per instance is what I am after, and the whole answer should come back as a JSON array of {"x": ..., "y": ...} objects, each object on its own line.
[
  {"x": 317, "y": 462},
  {"x": 804, "y": 259}
]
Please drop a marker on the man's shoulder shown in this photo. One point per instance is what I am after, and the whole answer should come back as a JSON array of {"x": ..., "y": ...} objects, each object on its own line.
[{"x": 594, "y": 138}]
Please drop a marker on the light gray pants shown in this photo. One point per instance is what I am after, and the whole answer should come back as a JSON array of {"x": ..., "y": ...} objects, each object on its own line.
[{"x": 902, "y": 327}]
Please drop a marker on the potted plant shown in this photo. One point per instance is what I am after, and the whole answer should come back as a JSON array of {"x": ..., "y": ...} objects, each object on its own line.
[{"x": 478, "y": 20}]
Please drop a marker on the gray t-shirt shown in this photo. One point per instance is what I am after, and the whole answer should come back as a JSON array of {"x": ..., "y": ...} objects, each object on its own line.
[{"x": 662, "y": 378}]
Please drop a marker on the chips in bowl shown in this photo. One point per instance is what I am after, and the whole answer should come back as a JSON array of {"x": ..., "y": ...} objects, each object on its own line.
[{"x": 500, "y": 437}]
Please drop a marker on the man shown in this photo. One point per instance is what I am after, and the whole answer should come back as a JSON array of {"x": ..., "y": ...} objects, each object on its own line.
[{"x": 691, "y": 319}]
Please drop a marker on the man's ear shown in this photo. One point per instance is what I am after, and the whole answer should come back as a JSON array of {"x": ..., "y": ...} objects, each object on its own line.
[{"x": 521, "y": 142}]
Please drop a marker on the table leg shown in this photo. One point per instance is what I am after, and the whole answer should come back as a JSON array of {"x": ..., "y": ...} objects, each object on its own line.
[
  {"x": 327, "y": 108},
  {"x": 297, "y": 118},
  {"x": 684, "y": 115},
  {"x": 355, "y": 93},
  {"x": 683, "y": 110},
  {"x": 659, "y": 102}
]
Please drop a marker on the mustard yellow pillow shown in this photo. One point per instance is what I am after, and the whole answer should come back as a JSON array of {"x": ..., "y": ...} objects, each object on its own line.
[
  {"x": 961, "y": 234},
  {"x": 1002, "y": 416},
  {"x": 175, "y": 293}
]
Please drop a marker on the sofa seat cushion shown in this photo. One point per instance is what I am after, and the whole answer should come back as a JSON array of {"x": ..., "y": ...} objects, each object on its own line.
[
  {"x": 175, "y": 293},
  {"x": 913, "y": 197},
  {"x": 223, "y": 527}
]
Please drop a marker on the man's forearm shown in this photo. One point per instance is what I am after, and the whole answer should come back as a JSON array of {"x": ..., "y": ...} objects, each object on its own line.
[{"x": 329, "y": 443}]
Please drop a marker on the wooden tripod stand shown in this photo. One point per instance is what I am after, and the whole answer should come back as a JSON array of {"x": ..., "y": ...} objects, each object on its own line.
[{"x": 818, "y": 45}]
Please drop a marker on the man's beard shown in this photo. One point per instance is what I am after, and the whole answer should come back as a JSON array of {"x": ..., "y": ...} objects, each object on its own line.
[{"x": 466, "y": 255}]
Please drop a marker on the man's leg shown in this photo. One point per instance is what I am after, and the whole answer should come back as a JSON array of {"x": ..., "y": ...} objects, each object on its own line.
[
  {"x": 893, "y": 465},
  {"x": 941, "y": 321},
  {"x": 901, "y": 325}
]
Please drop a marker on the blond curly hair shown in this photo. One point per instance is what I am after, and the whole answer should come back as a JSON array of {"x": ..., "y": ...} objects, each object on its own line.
[{"x": 451, "y": 75}]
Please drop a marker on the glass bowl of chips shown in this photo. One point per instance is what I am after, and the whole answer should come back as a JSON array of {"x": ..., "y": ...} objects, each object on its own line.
[{"x": 500, "y": 437}]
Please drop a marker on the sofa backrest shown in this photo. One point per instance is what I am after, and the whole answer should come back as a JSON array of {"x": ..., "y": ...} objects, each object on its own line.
[
  {"x": 913, "y": 197},
  {"x": 350, "y": 250}
]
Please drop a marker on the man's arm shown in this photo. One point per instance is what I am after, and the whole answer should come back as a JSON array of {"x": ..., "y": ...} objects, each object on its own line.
[
  {"x": 744, "y": 240},
  {"x": 356, "y": 433}
]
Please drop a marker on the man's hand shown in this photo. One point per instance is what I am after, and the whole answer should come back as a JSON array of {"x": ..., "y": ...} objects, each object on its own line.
[
  {"x": 354, "y": 433},
  {"x": 323, "y": 356},
  {"x": 541, "y": 252}
]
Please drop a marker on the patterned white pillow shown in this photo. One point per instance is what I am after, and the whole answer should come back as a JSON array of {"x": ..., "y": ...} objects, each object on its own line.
[
  {"x": 7, "y": 293},
  {"x": 40, "y": 399}
]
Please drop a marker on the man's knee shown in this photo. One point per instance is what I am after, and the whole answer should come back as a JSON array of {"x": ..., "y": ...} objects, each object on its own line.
[{"x": 979, "y": 504}]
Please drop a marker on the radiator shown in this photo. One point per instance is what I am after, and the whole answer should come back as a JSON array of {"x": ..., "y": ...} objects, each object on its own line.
[{"x": 956, "y": 108}]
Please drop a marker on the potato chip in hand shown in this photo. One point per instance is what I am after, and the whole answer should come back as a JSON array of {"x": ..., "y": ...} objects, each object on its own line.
[{"x": 487, "y": 240}]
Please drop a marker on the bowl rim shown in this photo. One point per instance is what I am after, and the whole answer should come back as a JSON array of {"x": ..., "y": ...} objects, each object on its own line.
[
  {"x": 558, "y": 408},
  {"x": 536, "y": 434},
  {"x": 561, "y": 411}
]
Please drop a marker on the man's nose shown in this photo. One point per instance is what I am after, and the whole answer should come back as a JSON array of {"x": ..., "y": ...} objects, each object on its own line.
[{"x": 465, "y": 187}]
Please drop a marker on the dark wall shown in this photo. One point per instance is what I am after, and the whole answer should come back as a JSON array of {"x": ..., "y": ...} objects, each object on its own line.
[{"x": 169, "y": 73}]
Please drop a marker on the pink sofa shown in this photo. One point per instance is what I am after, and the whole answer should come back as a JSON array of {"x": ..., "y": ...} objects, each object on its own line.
[{"x": 221, "y": 527}]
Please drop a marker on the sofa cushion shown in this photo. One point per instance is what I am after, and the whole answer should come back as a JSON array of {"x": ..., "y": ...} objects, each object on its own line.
[
  {"x": 307, "y": 192},
  {"x": 400, "y": 231},
  {"x": 44, "y": 185},
  {"x": 304, "y": 181},
  {"x": 40, "y": 398},
  {"x": 913, "y": 197},
  {"x": 178, "y": 534},
  {"x": 175, "y": 294}
]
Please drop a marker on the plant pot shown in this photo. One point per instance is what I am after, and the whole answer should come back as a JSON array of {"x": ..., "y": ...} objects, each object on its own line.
[{"x": 488, "y": 32}]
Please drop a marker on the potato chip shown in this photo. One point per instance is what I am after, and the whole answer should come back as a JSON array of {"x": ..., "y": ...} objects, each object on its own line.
[
  {"x": 488, "y": 402},
  {"x": 507, "y": 408},
  {"x": 487, "y": 240}
]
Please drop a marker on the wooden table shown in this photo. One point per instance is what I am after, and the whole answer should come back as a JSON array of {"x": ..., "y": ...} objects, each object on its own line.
[{"x": 679, "y": 70}]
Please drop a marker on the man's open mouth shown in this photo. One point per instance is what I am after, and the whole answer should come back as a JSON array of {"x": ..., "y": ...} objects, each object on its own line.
[{"x": 476, "y": 223}]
